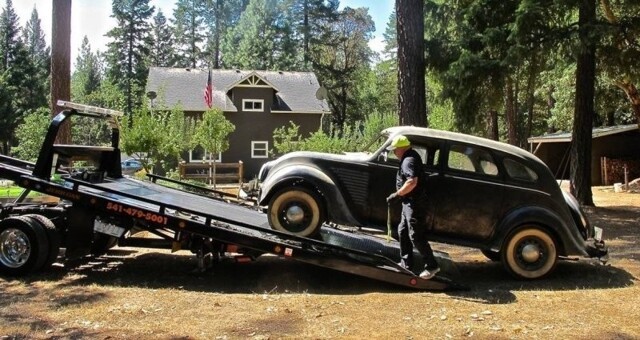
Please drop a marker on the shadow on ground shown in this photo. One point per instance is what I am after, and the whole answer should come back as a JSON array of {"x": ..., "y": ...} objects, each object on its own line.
[{"x": 488, "y": 282}]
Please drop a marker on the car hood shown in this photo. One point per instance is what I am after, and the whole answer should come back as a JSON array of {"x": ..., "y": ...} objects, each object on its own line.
[
  {"x": 310, "y": 156},
  {"x": 306, "y": 157}
]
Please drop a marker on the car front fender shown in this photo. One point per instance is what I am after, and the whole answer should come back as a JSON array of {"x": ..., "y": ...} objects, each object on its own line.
[
  {"x": 571, "y": 242},
  {"x": 312, "y": 178}
]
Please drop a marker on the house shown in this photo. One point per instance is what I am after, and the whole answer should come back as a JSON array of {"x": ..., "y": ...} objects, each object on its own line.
[
  {"x": 610, "y": 145},
  {"x": 256, "y": 102}
]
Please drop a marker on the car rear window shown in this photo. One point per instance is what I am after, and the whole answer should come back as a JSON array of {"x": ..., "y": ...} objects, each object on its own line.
[
  {"x": 471, "y": 159},
  {"x": 517, "y": 170}
]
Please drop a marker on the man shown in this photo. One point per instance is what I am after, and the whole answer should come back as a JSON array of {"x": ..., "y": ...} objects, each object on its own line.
[{"x": 410, "y": 189}]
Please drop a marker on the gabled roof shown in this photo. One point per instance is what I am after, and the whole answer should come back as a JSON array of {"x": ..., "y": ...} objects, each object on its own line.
[
  {"x": 563, "y": 137},
  {"x": 252, "y": 79},
  {"x": 294, "y": 91}
]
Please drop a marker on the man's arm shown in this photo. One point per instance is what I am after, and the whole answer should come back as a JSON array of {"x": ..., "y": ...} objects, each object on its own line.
[{"x": 408, "y": 186}]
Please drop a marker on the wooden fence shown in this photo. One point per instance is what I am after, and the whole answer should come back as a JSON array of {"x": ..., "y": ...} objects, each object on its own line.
[{"x": 212, "y": 173}]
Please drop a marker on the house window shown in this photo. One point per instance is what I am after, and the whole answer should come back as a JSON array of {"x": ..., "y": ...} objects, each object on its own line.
[
  {"x": 253, "y": 105},
  {"x": 259, "y": 149},
  {"x": 199, "y": 155}
]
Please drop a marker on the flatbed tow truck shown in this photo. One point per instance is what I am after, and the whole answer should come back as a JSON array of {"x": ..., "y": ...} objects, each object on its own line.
[{"x": 100, "y": 208}]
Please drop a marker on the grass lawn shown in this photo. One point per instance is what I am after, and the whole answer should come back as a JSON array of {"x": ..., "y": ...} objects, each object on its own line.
[{"x": 15, "y": 191}]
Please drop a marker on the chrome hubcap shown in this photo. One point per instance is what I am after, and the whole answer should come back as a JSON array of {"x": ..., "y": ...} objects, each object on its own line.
[
  {"x": 531, "y": 253},
  {"x": 295, "y": 214},
  {"x": 15, "y": 248}
]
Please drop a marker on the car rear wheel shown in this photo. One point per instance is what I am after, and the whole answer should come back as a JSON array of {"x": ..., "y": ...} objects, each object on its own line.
[
  {"x": 529, "y": 253},
  {"x": 297, "y": 211}
]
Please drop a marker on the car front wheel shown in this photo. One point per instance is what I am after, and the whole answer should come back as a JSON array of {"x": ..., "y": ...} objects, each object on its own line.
[
  {"x": 529, "y": 253},
  {"x": 296, "y": 211}
]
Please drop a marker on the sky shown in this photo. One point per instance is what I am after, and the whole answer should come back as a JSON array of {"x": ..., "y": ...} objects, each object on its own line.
[{"x": 92, "y": 18}]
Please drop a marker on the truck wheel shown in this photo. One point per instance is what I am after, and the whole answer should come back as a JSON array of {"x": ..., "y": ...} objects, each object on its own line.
[
  {"x": 53, "y": 237},
  {"x": 23, "y": 246},
  {"x": 529, "y": 253},
  {"x": 296, "y": 211}
]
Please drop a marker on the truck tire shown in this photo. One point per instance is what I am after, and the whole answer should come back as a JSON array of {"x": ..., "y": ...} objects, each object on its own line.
[
  {"x": 529, "y": 252},
  {"x": 296, "y": 211},
  {"x": 53, "y": 237},
  {"x": 23, "y": 246}
]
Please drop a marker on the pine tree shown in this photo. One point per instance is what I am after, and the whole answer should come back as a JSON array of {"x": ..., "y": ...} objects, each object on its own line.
[
  {"x": 40, "y": 55},
  {"x": 15, "y": 71},
  {"x": 9, "y": 30},
  {"x": 268, "y": 36},
  {"x": 162, "y": 51},
  {"x": 341, "y": 57},
  {"x": 251, "y": 44},
  {"x": 188, "y": 26},
  {"x": 220, "y": 17},
  {"x": 87, "y": 76},
  {"x": 311, "y": 23},
  {"x": 128, "y": 52},
  {"x": 288, "y": 53},
  {"x": 390, "y": 35}
]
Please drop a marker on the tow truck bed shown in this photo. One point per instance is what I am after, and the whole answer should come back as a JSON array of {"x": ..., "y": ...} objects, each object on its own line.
[{"x": 345, "y": 251}]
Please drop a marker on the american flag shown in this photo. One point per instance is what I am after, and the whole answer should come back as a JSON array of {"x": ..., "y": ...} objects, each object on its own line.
[{"x": 208, "y": 95}]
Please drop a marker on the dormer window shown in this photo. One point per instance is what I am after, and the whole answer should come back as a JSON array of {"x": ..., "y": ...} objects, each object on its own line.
[{"x": 255, "y": 105}]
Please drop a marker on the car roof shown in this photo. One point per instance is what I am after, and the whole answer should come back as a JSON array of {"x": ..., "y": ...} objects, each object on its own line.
[{"x": 461, "y": 137}]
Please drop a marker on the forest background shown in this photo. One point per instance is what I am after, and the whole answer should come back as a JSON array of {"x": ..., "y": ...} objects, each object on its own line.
[{"x": 505, "y": 70}]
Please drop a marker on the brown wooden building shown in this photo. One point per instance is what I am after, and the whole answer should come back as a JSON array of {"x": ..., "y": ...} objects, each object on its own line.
[
  {"x": 256, "y": 102},
  {"x": 618, "y": 143}
]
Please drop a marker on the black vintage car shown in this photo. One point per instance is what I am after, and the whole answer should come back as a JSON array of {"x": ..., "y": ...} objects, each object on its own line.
[{"x": 482, "y": 194}]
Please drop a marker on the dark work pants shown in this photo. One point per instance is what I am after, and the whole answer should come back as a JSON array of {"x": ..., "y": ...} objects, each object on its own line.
[{"x": 412, "y": 233}]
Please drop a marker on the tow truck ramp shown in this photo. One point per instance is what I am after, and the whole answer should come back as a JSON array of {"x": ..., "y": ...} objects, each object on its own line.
[{"x": 114, "y": 205}]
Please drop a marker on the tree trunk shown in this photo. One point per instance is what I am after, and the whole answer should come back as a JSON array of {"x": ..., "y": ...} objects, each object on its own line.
[
  {"x": 492, "y": 125},
  {"x": 551, "y": 103},
  {"x": 217, "y": 34},
  {"x": 411, "y": 66},
  {"x": 584, "y": 107},
  {"x": 305, "y": 34},
  {"x": 531, "y": 89},
  {"x": 61, "y": 63},
  {"x": 510, "y": 113}
]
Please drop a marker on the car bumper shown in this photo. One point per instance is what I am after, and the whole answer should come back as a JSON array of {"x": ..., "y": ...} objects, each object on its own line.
[{"x": 597, "y": 249}]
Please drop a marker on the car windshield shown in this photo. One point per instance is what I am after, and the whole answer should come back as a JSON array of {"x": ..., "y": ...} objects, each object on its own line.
[{"x": 375, "y": 143}]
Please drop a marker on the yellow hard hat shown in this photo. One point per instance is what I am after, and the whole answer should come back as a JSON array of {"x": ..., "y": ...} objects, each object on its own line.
[{"x": 399, "y": 141}]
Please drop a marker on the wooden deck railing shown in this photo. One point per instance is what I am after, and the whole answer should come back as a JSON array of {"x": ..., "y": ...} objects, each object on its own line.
[{"x": 224, "y": 172}]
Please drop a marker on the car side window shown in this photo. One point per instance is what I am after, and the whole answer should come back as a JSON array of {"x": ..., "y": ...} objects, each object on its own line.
[
  {"x": 420, "y": 149},
  {"x": 471, "y": 159},
  {"x": 517, "y": 170}
]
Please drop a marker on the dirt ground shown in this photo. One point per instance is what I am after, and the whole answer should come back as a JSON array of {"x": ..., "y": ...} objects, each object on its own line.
[{"x": 143, "y": 294}]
